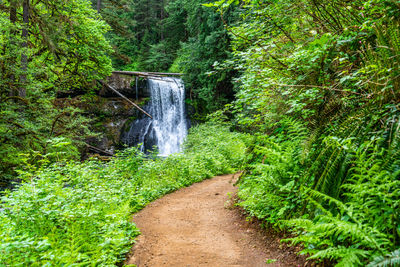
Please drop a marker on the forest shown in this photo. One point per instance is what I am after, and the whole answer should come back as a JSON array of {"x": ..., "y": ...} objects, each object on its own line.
[{"x": 302, "y": 96}]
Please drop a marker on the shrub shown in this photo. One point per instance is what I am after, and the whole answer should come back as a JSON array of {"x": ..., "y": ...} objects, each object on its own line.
[{"x": 78, "y": 213}]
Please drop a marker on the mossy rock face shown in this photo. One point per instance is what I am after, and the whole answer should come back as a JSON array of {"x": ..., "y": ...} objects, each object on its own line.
[
  {"x": 122, "y": 83},
  {"x": 140, "y": 85},
  {"x": 113, "y": 129},
  {"x": 127, "y": 124},
  {"x": 115, "y": 118},
  {"x": 111, "y": 114},
  {"x": 143, "y": 101},
  {"x": 111, "y": 117},
  {"x": 126, "y": 85},
  {"x": 119, "y": 107}
]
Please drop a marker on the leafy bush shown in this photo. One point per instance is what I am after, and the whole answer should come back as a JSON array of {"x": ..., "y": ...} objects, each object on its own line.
[
  {"x": 67, "y": 51},
  {"x": 78, "y": 213},
  {"x": 269, "y": 188},
  {"x": 341, "y": 199},
  {"x": 364, "y": 223},
  {"x": 331, "y": 68}
]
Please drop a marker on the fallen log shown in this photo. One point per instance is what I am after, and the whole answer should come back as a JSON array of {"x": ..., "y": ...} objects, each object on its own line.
[
  {"x": 147, "y": 74},
  {"x": 124, "y": 97}
]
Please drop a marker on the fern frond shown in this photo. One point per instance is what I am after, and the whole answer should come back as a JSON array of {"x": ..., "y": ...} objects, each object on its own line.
[
  {"x": 299, "y": 223},
  {"x": 391, "y": 259},
  {"x": 345, "y": 256},
  {"x": 342, "y": 230},
  {"x": 318, "y": 195}
]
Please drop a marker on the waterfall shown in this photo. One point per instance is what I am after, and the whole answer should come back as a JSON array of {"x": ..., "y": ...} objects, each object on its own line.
[
  {"x": 168, "y": 128},
  {"x": 136, "y": 88}
]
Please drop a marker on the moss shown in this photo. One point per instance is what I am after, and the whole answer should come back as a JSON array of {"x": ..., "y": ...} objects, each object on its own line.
[
  {"x": 128, "y": 123},
  {"x": 143, "y": 101}
]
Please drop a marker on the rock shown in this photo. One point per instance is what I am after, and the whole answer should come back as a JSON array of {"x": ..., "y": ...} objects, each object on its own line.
[{"x": 126, "y": 85}]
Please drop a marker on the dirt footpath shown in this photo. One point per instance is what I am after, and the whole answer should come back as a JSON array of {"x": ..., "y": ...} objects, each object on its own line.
[{"x": 198, "y": 226}]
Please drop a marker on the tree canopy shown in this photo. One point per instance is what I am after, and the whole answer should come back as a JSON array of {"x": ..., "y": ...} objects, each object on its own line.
[{"x": 66, "y": 49}]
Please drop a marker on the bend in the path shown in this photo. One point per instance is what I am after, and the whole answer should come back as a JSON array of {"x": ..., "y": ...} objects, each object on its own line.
[{"x": 196, "y": 226}]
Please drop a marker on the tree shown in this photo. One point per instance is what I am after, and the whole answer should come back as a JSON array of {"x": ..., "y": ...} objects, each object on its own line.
[
  {"x": 208, "y": 44},
  {"x": 120, "y": 15},
  {"x": 24, "y": 56},
  {"x": 98, "y": 5},
  {"x": 13, "y": 20},
  {"x": 47, "y": 46}
]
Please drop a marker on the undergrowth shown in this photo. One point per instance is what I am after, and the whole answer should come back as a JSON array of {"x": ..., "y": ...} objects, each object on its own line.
[
  {"x": 318, "y": 87},
  {"x": 77, "y": 214},
  {"x": 340, "y": 197}
]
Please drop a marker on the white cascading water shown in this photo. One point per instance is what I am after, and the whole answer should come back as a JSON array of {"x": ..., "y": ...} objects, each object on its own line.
[
  {"x": 168, "y": 128},
  {"x": 168, "y": 111}
]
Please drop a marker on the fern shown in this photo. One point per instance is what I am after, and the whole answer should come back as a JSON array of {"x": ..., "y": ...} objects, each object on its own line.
[
  {"x": 392, "y": 259},
  {"x": 345, "y": 256},
  {"x": 328, "y": 238},
  {"x": 269, "y": 190}
]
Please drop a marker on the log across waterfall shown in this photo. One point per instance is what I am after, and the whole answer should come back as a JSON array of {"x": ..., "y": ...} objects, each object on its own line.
[{"x": 168, "y": 128}]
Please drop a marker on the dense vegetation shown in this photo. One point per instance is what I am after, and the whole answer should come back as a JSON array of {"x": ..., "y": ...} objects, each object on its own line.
[
  {"x": 73, "y": 213},
  {"x": 46, "y": 47},
  {"x": 176, "y": 36},
  {"x": 316, "y": 87},
  {"x": 319, "y": 91}
]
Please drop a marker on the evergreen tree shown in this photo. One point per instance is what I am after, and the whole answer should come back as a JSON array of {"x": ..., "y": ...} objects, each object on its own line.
[
  {"x": 207, "y": 44},
  {"x": 120, "y": 15}
]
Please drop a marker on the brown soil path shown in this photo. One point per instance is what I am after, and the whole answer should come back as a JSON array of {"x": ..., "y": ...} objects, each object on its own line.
[{"x": 198, "y": 226}]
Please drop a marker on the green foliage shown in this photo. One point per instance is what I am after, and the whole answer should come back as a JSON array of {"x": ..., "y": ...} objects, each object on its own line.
[
  {"x": 230, "y": 150},
  {"x": 207, "y": 47},
  {"x": 268, "y": 190},
  {"x": 67, "y": 46},
  {"x": 330, "y": 67},
  {"x": 66, "y": 50},
  {"x": 367, "y": 219},
  {"x": 41, "y": 133},
  {"x": 391, "y": 259},
  {"x": 160, "y": 57},
  {"x": 78, "y": 213},
  {"x": 120, "y": 15}
]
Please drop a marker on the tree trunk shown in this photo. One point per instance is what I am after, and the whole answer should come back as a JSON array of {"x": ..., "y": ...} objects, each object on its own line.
[
  {"x": 162, "y": 15},
  {"x": 98, "y": 5},
  {"x": 24, "y": 56},
  {"x": 13, "y": 19}
]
